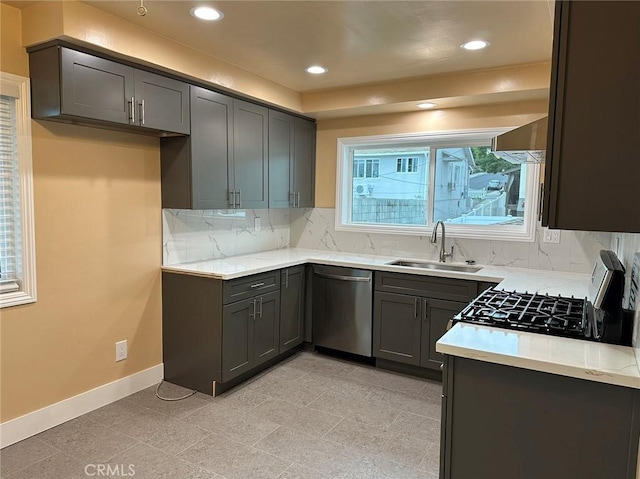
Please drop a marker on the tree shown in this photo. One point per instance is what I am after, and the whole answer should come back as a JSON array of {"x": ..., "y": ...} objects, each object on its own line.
[{"x": 488, "y": 162}]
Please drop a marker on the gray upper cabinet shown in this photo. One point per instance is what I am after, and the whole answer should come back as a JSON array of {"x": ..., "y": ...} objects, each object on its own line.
[
  {"x": 163, "y": 103},
  {"x": 281, "y": 146},
  {"x": 292, "y": 152},
  {"x": 303, "y": 171},
  {"x": 224, "y": 163},
  {"x": 250, "y": 155},
  {"x": 197, "y": 170},
  {"x": 93, "y": 87},
  {"x": 68, "y": 85},
  {"x": 591, "y": 170}
]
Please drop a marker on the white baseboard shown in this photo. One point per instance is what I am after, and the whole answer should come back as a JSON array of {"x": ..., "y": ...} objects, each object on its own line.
[{"x": 37, "y": 421}]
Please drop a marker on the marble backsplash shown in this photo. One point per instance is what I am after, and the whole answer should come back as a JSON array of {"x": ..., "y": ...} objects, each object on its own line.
[
  {"x": 576, "y": 252},
  {"x": 193, "y": 235}
]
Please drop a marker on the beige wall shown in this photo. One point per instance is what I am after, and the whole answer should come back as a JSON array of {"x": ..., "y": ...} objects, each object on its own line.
[
  {"x": 493, "y": 116},
  {"x": 98, "y": 253},
  {"x": 81, "y": 22}
]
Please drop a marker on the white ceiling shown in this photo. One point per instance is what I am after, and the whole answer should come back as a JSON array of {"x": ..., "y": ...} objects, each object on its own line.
[{"x": 358, "y": 41}]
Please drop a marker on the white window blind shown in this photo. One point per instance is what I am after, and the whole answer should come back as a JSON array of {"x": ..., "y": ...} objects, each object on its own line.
[{"x": 10, "y": 228}]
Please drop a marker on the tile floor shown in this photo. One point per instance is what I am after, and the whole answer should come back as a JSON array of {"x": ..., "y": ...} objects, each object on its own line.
[{"x": 310, "y": 417}]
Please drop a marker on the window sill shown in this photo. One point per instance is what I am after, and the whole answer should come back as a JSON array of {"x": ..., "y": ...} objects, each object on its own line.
[
  {"x": 16, "y": 298},
  {"x": 452, "y": 231}
]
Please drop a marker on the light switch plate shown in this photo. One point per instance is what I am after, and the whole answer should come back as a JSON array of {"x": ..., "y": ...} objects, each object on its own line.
[
  {"x": 256, "y": 224},
  {"x": 551, "y": 236}
]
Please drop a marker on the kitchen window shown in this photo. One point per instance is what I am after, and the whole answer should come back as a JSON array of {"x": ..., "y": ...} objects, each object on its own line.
[
  {"x": 17, "y": 245},
  {"x": 454, "y": 178}
]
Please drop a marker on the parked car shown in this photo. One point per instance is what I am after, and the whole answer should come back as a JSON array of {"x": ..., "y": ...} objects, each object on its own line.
[{"x": 494, "y": 185}]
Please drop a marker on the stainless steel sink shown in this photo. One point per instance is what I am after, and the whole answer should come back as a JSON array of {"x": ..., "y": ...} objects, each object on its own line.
[{"x": 435, "y": 266}]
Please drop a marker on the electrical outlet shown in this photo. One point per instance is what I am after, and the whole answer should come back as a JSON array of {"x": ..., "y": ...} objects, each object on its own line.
[
  {"x": 551, "y": 236},
  {"x": 256, "y": 223},
  {"x": 121, "y": 350}
]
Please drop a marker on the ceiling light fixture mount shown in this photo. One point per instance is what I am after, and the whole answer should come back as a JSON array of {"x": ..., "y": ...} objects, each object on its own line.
[
  {"x": 475, "y": 45},
  {"x": 316, "y": 70},
  {"x": 426, "y": 105},
  {"x": 206, "y": 13}
]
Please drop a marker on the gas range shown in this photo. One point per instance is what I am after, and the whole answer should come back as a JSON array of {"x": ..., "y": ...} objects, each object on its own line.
[
  {"x": 600, "y": 317},
  {"x": 555, "y": 315}
]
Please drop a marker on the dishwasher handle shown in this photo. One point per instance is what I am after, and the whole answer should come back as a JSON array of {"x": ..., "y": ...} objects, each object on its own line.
[{"x": 362, "y": 279}]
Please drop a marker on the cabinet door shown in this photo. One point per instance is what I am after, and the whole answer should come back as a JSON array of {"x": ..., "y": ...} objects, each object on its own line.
[
  {"x": 291, "y": 308},
  {"x": 592, "y": 170},
  {"x": 266, "y": 330},
  {"x": 436, "y": 314},
  {"x": 96, "y": 88},
  {"x": 163, "y": 103},
  {"x": 304, "y": 165},
  {"x": 211, "y": 154},
  {"x": 237, "y": 338},
  {"x": 250, "y": 154},
  {"x": 281, "y": 145},
  {"x": 396, "y": 327}
]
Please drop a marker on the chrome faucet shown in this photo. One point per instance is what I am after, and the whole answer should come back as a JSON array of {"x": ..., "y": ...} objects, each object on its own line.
[{"x": 434, "y": 239}]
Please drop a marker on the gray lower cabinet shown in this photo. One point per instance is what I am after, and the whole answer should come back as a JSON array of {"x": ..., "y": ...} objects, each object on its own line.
[
  {"x": 70, "y": 85},
  {"x": 396, "y": 331},
  {"x": 216, "y": 332},
  {"x": 292, "y": 312},
  {"x": 436, "y": 317},
  {"x": 250, "y": 334},
  {"x": 411, "y": 313},
  {"x": 507, "y": 422}
]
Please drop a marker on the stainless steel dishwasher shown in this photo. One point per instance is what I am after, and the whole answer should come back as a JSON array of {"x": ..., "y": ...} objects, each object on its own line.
[{"x": 342, "y": 309}]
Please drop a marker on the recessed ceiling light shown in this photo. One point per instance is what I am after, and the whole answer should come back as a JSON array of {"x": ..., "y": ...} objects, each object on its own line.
[
  {"x": 316, "y": 69},
  {"x": 206, "y": 13},
  {"x": 475, "y": 45},
  {"x": 426, "y": 105}
]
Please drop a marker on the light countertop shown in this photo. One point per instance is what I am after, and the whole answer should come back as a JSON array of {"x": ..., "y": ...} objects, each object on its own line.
[
  {"x": 574, "y": 358},
  {"x": 514, "y": 279},
  {"x": 569, "y": 357}
]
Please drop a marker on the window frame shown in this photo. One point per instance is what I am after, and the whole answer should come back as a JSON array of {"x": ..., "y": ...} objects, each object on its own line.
[
  {"x": 441, "y": 139},
  {"x": 11, "y": 85}
]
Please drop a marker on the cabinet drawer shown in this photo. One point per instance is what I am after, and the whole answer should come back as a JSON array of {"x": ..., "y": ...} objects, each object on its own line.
[
  {"x": 439, "y": 288},
  {"x": 241, "y": 288}
]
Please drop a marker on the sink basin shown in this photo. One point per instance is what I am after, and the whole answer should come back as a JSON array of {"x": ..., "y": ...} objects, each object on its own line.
[{"x": 435, "y": 266}]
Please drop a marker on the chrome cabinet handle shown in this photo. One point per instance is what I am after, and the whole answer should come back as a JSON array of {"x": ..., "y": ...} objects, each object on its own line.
[
  {"x": 142, "y": 112},
  {"x": 540, "y": 200},
  {"x": 257, "y": 285},
  {"x": 425, "y": 315},
  {"x": 132, "y": 110},
  {"x": 260, "y": 302},
  {"x": 253, "y": 313},
  {"x": 415, "y": 308},
  {"x": 232, "y": 200},
  {"x": 239, "y": 198},
  {"x": 297, "y": 199},
  {"x": 292, "y": 200}
]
